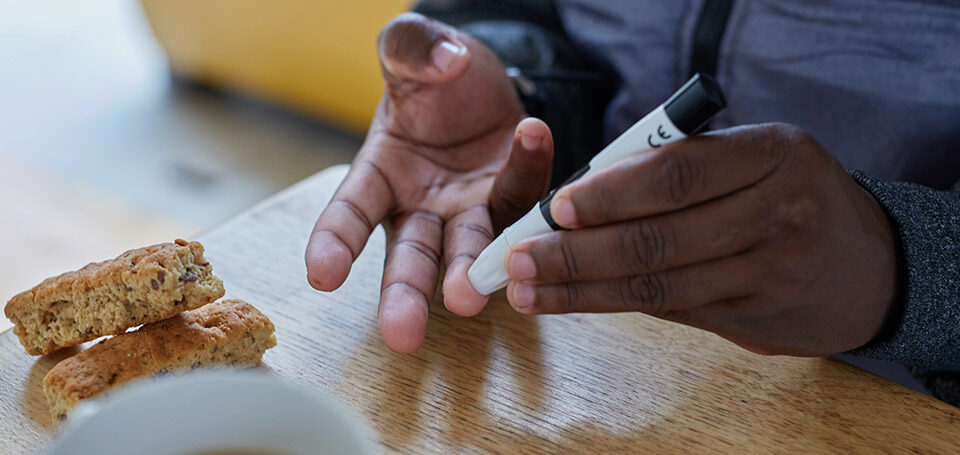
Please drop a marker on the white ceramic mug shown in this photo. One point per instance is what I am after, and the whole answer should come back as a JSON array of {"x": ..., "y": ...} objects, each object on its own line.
[{"x": 213, "y": 413}]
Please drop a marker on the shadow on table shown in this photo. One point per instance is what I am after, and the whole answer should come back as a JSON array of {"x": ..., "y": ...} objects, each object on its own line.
[
  {"x": 463, "y": 363},
  {"x": 486, "y": 377}
]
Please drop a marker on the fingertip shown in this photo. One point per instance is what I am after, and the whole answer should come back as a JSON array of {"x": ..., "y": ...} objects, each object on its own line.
[
  {"x": 520, "y": 297},
  {"x": 520, "y": 265},
  {"x": 448, "y": 61},
  {"x": 328, "y": 261},
  {"x": 459, "y": 296},
  {"x": 449, "y": 58},
  {"x": 535, "y": 135},
  {"x": 415, "y": 48},
  {"x": 403, "y": 318},
  {"x": 533, "y": 126},
  {"x": 530, "y": 142},
  {"x": 525, "y": 176},
  {"x": 563, "y": 211}
]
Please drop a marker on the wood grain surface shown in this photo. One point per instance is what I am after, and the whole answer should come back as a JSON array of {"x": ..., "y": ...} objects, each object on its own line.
[{"x": 506, "y": 383}]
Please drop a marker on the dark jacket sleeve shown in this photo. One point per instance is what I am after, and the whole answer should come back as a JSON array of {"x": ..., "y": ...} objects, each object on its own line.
[
  {"x": 924, "y": 332},
  {"x": 570, "y": 90}
]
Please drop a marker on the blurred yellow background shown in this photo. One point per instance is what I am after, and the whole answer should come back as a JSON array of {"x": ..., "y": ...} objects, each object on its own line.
[{"x": 315, "y": 56}]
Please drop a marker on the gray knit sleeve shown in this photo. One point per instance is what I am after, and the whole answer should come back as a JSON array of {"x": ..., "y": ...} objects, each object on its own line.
[{"x": 925, "y": 331}]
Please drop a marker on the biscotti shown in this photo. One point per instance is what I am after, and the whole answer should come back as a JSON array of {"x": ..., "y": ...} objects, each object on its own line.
[
  {"x": 105, "y": 298},
  {"x": 229, "y": 332}
]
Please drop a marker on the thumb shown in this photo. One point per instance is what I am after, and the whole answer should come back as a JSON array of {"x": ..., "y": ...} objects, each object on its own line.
[
  {"x": 415, "y": 48},
  {"x": 523, "y": 179}
]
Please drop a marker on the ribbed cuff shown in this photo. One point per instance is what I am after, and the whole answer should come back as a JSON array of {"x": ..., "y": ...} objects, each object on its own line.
[{"x": 926, "y": 330}]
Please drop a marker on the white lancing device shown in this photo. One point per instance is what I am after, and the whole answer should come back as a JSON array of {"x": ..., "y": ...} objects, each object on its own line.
[{"x": 682, "y": 115}]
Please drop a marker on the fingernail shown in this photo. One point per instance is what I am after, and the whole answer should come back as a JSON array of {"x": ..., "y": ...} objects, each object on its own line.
[
  {"x": 522, "y": 296},
  {"x": 444, "y": 54},
  {"x": 563, "y": 212},
  {"x": 529, "y": 142},
  {"x": 520, "y": 266}
]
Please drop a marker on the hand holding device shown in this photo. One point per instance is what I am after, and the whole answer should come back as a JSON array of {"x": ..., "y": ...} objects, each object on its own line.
[
  {"x": 682, "y": 115},
  {"x": 755, "y": 233}
]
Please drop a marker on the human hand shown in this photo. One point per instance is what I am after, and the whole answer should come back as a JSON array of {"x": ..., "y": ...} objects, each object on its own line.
[
  {"x": 446, "y": 151},
  {"x": 754, "y": 233}
]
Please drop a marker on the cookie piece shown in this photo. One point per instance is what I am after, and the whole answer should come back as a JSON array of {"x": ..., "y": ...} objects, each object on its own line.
[
  {"x": 106, "y": 298},
  {"x": 229, "y": 332}
]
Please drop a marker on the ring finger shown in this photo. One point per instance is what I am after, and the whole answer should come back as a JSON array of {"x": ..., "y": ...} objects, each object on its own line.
[{"x": 654, "y": 293}]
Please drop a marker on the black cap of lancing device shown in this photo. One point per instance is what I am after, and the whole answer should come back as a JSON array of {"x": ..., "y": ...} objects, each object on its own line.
[{"x": 691, "y": 107}]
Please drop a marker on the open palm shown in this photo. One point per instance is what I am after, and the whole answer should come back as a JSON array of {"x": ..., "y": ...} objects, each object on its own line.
[{"x": 447, "y": 160}]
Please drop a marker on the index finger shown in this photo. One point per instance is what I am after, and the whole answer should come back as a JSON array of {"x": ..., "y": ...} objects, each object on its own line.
[
  {"x": 673, "y": 177},
  {"x": 362, "y": 200}
]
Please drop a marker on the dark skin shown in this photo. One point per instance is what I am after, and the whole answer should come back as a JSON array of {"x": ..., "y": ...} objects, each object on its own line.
[
  {"x": 448, "y": 160},
  {"x": 754, "y": 233}
]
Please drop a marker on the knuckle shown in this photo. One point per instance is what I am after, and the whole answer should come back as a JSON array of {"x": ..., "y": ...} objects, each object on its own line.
[
  {"x": 605, "y": 202},
  {"x": 683, "y": 179},
  {"x": 783, "y": 130},
  {"x": 476, "y": 230},
  {"x": 789, "y": 143},
  {"x": 568, "y": 267},
  {"x": 423, "y": 250},
  {"x": 594, "y": 203},
  {"x": 796, "y": 213},
  {"x": 645, "y": 245},
  {"x": 426, "y": 217},
  {"x": 354, "y": 210},
  {"x": 793, "y": 135},
  {"x": 570, "y": 297},
  {"x": 509, "y": 203},
  {"x": 646, "y": 293}
]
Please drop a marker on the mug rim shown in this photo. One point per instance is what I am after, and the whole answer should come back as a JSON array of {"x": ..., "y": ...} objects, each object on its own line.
[{"x": 152, "y": 388}]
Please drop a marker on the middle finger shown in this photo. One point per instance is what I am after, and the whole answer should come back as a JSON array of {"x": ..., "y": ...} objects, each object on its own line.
[
  {"x": 410, "y": 275},
  {"x": 715, "y": 229}
]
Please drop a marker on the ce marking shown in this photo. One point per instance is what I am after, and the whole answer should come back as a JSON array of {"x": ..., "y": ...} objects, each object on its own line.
[{"x": 660, "y": 132}]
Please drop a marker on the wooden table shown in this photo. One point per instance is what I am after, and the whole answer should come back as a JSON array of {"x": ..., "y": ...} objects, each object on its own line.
[{"x": 505, "y": 383}]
